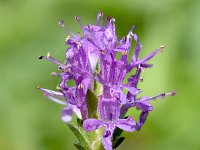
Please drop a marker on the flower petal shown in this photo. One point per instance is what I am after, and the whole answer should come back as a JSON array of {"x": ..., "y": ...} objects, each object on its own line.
[
  {"x": 148, "y": 57},
  {"x": 51, "y": 93},
  {"x": 76, "y": 111},
  {"x": 143, "y": 105},
  {"x": 107, "y": 137},
  {"x": 91, "y": 124},
  {"x": 142, "y": 119},
  {"x": 137, "y": 49},
  {"x": 56, "y": 100},
  {"x": 132, "y": 90},
  {"x": 66, "y": 114},
  {"x": 128, "y": 124}
]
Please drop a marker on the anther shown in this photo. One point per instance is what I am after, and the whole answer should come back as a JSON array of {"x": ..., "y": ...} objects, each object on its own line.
[
  {"x": 41, "y": 57},
  {"x": 78, "y": 45},
  {"x": 61, "y": 23},
  {"x": 101, "y": 14},
  {"x": 173, "y": 93},
  {"x": 48, "y": 54},
  {"x": 38, "y": 87},
  {"x": 161, "y": 48},
  {"x": 54, "y": 74},
  {"x": 77, "y": 18},
  {"x": 80, "y": 86},
  {"x": 79, "y": 21},
  {"x": 88, "y": 39},
  {"x": 162, "y": 95},
  {"x": 101, "y": 51},
  {"x": 108, "y": 18},
  {"x": 141, "y": 79},
  {"x": 131, "y": 34},
  {"x": 61, "y": 68},
  {"x": 59, "y": 88},
  {"x": 125, "y": 52},
  {"x": 112, "y": 20},
  {"x": 96, "y": 72},
  {"x": 124, "y": 39},
  {"x": 68, "y": 37},
  {"x": 99, "y": 19}
]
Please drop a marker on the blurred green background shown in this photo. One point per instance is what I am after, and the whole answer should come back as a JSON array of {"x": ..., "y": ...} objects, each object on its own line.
[{"x": 28, "y": 121}]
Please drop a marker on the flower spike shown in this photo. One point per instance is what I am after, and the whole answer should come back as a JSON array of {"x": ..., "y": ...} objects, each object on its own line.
[{"x": 99, "y": 84}]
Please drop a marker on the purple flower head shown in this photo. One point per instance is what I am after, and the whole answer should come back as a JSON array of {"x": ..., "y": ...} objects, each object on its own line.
[
  {"x": 109, "y": 112},
  {"x": 92, "y": 59}
]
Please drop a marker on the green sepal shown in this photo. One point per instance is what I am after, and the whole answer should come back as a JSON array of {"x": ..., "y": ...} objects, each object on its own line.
[
  {"x": 79, "y": 146},
  {"x": 79, "y": 122},
  {"x": 81, "y": 136},
  {"x": 117, "y": 142},
  {"x": 117, "y": 133},
  {"x": 92, "y": 102},
  {"x": 98, "y": 88}
]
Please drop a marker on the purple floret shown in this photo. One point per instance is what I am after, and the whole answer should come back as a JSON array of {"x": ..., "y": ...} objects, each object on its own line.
[
  {"x": 109, "y": 112},
  {"x": 93, "y": 58}
]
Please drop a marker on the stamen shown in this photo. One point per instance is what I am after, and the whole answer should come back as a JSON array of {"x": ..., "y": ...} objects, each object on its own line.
[
  {"x": 61, "y": 23},
  {"x": 80, "y": 86},
  {"x": 141, "y": 79},
  {"x": 108, "y": 18},
  {"x": 125, "y": 52},
  {"x": 66, "y": 40},
  {"x": 40, "y": 57},
  {"x": 102, "y": 52},
  {"x": 78, "y": 45},
  {"x": 48, "y": 54},
  {"x": 172, "y": 93},
  {"x": 130, "y": 34},
  {"x": 55, "y": 74},
  {"x": 48, "y": 57},
  {"x": 148, "y": 57},
  {"x": 124, "y": 39},
  {"x": 63, "y": 69},
  {"x": 161, "y": 48},
  {"x": 96, "y": 72},
  {"x": 57, "y": 100},
  {"x": 79, "y": 21},
  {"x": 163, "y": 95},
  {"x": 99, "y": 19},
  {"x": 112, "y": 20},
  {"x": 59, "y": 88},
  {"x": 50, "y": 92},
  {"x": 38, "y": 87}
]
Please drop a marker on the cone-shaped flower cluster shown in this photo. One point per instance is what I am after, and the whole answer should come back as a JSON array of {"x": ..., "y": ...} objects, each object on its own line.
[{"x": 99, "y": 57}]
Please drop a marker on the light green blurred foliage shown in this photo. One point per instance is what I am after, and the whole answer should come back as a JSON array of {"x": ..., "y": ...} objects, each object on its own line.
[{"x": 28, "y": 121}]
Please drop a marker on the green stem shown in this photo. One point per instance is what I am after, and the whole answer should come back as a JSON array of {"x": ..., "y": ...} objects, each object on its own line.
[
  {"x": 95, "y": 139},
  {"x": 92, "y": 103}
]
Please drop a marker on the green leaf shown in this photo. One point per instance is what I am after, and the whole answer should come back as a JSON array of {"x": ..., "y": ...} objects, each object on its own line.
[
  {"x": 118, "y": 141},
  {"x": 79, "y": 122},
  {"x": 81, "y": 136},
  {"x": 79, "y": 146},
  {"x": 117, "y": 133}
]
